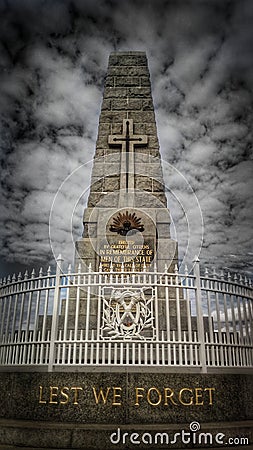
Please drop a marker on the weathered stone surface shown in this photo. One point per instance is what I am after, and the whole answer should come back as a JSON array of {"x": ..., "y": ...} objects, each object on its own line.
[
  {"x": 104, "y": 129},
  {"x": 115, "y": 92},
  {"x": 111, "y": 116},
  {"x": 163, "y": 230},
  {"x": 112, "y": 183},
  {"x": 157, "y": 186},
  {"x": 126, "y": 81},
  {"x": 109, "y": 81},
  {"x": 106, "y": 105},
  {"x": 97, "y": 184},
  {"x": 127, "y": 173},
  {"x": 141, "y": 157},
  {"x": 126, "y": 104},
  {"x": 147, "y": 105},
  {"x": 151, "y": 128},
  {"x": 232, "y": 393},
  {"x": 132, "y": 71},
  {"x": 139, "y": 91},
  {"x": 143, "y": 183},
  {"x": 128, "y": 59},
  {"x": 153, "y": 143},
  {"x": 142, "y": 116},
  {"x": 82, "y": 436},
  {"x": 85, "y": 248},
  {"x": 28, "y": 419}
]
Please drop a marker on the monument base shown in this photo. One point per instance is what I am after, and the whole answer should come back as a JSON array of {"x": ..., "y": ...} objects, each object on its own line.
[
  {"x": 106, "y": 410},
  {"x": 31, "y": 435}
]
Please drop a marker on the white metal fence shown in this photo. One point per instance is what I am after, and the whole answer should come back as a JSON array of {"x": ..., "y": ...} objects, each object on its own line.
[{"x": 121, "y": 319}]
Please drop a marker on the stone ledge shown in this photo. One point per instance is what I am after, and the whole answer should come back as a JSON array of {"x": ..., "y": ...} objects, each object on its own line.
[
  {"x": 149, "y": 427},
  {"x": 39, "y": 435}
]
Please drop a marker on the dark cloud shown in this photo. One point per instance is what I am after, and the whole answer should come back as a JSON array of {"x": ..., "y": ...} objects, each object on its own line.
[{"x": 53, "y": 59}]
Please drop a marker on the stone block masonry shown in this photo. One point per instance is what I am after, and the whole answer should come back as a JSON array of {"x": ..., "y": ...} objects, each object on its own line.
[
  {"x": 94, "y": 410},
  {"x": 126, "y": 174}
]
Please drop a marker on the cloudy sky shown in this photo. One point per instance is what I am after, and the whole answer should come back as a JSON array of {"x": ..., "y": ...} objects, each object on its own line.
[{"x": 53, "y": 58}]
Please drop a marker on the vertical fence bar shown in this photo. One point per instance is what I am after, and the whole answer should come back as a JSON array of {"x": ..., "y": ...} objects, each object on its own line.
[
  {"x": 77, "y": 307},
  {"x": 37, "y": 307},
  {"x": 88, "y": 304},
  {"x": 200, "y": 322},
  {"x": 14, "y": 314},
  {"x": 234, "y": 326},
  {"x": 8, "y": 319},
  {"x": 167, "y": 307},
  {"x": 210, "y": 333},
  {"x": 189, "y": 320},
  {"x": 99, "y": 301},
  {"x": 66, "y": 317},
  {"x": 156, "y": 302},
  {"x": 220, "y": 348},
  {"x": 54, "y": 325},
  {"x": 4, "y": 307},
  {"x": 178, "y": 312}
]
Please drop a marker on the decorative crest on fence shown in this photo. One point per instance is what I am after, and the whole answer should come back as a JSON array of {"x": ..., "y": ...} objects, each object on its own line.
[{"x": 127, "y": 318}]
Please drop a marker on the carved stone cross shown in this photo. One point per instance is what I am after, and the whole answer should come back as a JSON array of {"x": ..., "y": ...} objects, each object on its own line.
[{"x": 128, "y": 140}]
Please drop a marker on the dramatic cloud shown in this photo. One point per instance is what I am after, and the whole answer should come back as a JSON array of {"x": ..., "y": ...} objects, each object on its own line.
[{"x": 53, "y": 57}]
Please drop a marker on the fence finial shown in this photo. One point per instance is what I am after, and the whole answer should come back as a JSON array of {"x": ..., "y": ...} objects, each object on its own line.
[{"x": 195, "y": 259}]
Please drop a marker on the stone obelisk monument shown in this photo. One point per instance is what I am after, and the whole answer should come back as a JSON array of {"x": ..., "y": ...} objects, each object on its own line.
[
  {"x": 123, "y": 350},
  {"x": 127, "y": 221}
]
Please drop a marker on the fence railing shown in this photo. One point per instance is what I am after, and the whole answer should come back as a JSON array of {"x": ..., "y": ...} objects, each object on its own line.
[{"x": 126, "y": 319}]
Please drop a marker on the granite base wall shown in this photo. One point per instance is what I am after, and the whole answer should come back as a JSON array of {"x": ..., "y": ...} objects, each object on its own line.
[{"x": 58, "y": 415}]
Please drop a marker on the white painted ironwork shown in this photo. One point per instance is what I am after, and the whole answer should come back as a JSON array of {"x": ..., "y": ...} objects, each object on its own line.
[
  {"x": 127, "y": 314},
  {"x": 126, "y": 319}
]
